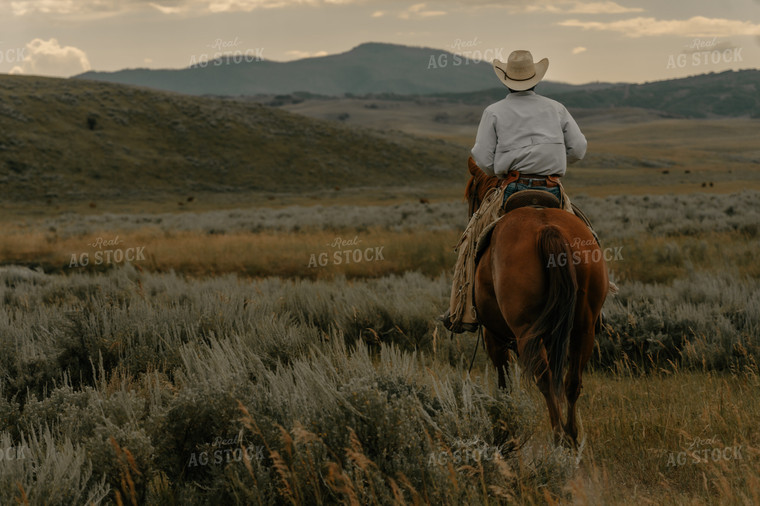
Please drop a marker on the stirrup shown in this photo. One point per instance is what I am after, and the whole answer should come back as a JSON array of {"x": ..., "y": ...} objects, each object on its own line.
[{"x": 457, "y": 328}]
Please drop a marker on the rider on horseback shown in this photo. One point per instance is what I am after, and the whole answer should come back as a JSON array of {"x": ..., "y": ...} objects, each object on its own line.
[{"x": 527, "y": 140}]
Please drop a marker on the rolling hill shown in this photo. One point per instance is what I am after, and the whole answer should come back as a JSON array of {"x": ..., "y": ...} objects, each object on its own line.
[
  {"x": 65, "y": 140},
  {"x": 725, "y": 94}
]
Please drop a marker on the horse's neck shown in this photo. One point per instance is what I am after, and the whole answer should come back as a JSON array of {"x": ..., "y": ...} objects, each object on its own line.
[{"x": 488, "y": 184}]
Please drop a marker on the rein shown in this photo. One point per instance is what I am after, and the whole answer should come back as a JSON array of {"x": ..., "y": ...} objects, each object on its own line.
[
  {"x": 475, "y": 351},
  {"x": 474, "y": 200}
]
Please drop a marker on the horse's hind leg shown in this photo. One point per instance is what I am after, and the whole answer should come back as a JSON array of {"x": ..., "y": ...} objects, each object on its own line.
[
  {"x": 545, "y": 385},
  {"x": 581, "y": 347},
  {"x": 498, "y": 350}
]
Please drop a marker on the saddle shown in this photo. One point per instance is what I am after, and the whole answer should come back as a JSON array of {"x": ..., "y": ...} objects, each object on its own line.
[
  {"x": 531, "y": 198},
  {"x": 523, "y": 198}
]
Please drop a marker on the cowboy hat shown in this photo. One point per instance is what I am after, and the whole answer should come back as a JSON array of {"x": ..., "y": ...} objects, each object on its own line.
[{"x": 520, "y": 73}]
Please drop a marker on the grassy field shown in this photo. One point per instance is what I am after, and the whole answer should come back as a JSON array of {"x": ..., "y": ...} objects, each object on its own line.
[
  {"x": 195, "y": 377},
  {"x": 180, "y": 342},
  {"x": 227, "y": 390},
  {"x": 655, "y": 439},
  {"x": 663, "y": 238}
]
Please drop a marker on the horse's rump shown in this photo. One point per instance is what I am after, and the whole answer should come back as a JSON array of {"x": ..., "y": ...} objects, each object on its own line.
[
  {"x": 552, "y": 327},
  {"x": 536, "y": 265}
]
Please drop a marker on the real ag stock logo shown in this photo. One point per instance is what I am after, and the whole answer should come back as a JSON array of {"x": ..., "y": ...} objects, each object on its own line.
[
  {"x": 584, "y": 252},
  {"x": 14, "y": 453},
  {"x": 112, "y": 254},
  {"x": 701, "y": 451},
  {"x": 12, "y": 55},
  {"x": 346, "y": 251},
  {"x": 465, "y": 452},
  {"x": 227, "y": 51},
  {"x": 465, "y": 52},
  {"x": 225, "y": 451},
  {"x": 702, "y": 52}
]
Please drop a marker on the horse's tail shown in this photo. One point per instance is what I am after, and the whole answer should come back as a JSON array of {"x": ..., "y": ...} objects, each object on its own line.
[{"x": 553, "y": 326}]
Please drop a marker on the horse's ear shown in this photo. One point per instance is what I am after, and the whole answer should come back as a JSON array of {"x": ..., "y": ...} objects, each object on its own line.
[{"x": 474, "y": 169}]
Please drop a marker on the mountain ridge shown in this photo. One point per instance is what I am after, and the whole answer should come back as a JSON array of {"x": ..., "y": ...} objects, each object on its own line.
[
  {"x": 363, "y": 69},
  {"x": 381, "y": 69}
]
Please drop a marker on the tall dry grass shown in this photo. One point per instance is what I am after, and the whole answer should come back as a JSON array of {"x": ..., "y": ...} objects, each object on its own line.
[{"x": 347, "y": 391}]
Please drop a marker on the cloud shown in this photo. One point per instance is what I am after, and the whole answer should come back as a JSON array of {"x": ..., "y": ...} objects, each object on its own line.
[
  {"x": 601, "y": 8},
  {"x": 49, "y": 58},
  {"x": 44, "y": 6},
  {"x": 166, "y": 9},
  {"x": 419, "y": 11},
  {"x": 298, "y": 55},
  {"x": 110, "y": 7},
  {"x": 579, "y": 50},
  {"x": 250, "y": 5},
  {"x": 576, "y": 7},
  {"x": 380, "y": 14},
  {"x": 174, "y": 7},
  {"x": 697, "y": 26},
  {"x": 97, "y": 8}
]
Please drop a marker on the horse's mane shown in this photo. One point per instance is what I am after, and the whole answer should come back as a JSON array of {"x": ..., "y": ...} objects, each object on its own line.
[{"x": 480, "y": 182}]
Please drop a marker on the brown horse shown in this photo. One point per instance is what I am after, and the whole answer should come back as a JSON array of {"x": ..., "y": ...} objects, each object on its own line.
[{"x": 539, "y": 288}]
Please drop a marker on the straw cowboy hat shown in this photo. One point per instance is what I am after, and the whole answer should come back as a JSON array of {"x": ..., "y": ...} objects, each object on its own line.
[{"x": 520, "y": 73}]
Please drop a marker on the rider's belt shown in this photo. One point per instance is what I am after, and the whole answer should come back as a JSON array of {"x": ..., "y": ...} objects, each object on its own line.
[{"x": 528, "y": 180}]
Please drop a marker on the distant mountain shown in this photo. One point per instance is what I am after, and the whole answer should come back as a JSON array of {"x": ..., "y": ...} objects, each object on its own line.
[
  {"x": 367, "y": 68},
  {"x": 729, "y": 93},
  {"x": 73, "y": 140},
  {"x": 396, "y": 71}
]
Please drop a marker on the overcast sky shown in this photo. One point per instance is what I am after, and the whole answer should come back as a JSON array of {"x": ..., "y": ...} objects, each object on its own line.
[{"x": 626, "y": 40}]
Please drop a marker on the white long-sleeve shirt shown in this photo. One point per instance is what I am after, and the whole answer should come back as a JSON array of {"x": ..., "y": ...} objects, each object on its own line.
[{"x": 528, "y": 133}]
